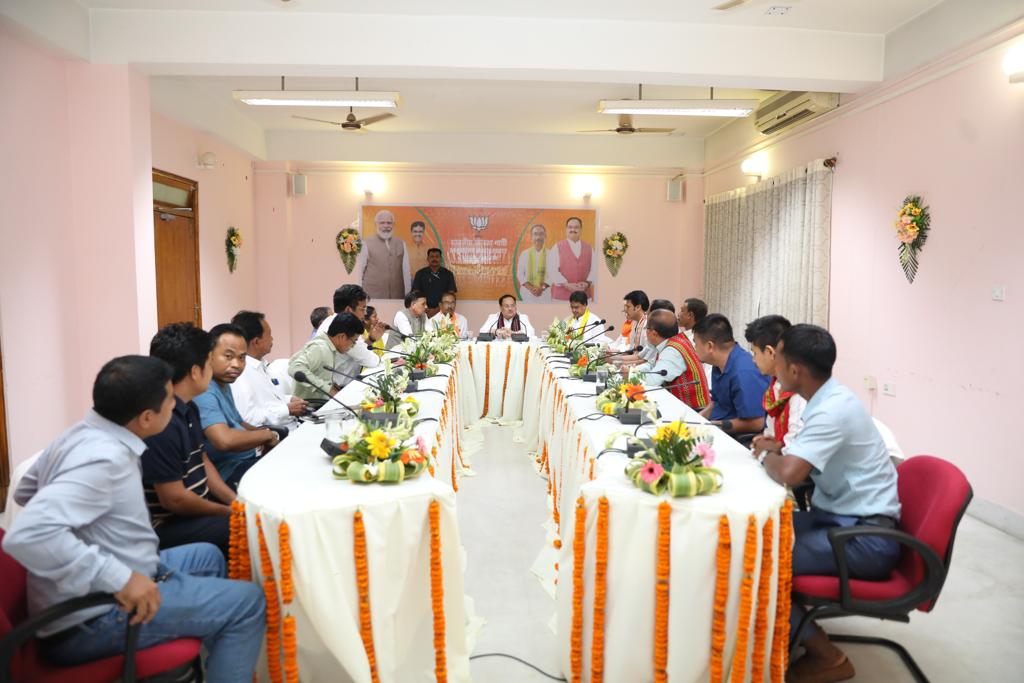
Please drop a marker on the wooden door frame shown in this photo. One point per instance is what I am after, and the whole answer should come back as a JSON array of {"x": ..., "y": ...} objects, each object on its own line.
[{"x": 193, "y": 187}]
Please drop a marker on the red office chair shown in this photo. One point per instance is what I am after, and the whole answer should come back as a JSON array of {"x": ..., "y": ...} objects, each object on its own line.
[
  {"x": 934, "y": 495},
  {"x": 19, "y": 653}
]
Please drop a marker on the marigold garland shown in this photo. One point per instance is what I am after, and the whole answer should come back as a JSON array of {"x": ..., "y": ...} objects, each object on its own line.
[
  {"x": 526, "y": 369},
  {"x": 722, "y": 560},
  {"x": 600, "y": 592},
  {"x": 487, "y": 383},
  {"x": 661, "y": 574},
  {"x": 363, "y": 588},
  {"x": 284, "y": 544},
  {"x": 763, "y": 596},
  {"x": 291, "y": 666},
  {"x": 266, "y": 567},
  {"x": 578, "y": 551},
  {"x": 780, "y": 639},
  {"x": 273, "y": 630},
  {"x": 433, "y": 459},
  {"x": 504, "y": 382},
  {"x": 437, "y": 593},
  {"x": 233, "y": 558},
  {"x": 471, "y": 358},
  {"x": 238, "y": 551},
  {"x": 739, "y": 658}
]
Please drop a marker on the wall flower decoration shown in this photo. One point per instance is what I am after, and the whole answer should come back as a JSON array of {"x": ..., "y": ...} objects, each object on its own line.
[
  {"x": 232, "y": 245},
  {"x": 911, "y": 226},
  {"x": 614, "y": 248},
  {"x": 349, "y": 244}
]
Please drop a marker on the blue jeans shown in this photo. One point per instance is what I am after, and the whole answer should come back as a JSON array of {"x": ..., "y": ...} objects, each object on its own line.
[
  {"x": 869, "y": 558},
  {"x": 196, "y": 601}
]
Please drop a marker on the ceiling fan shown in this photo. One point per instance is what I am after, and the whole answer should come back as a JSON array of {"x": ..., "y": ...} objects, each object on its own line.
[
  {"x": 626, "y": 126},
  {"x": 351, "y": 123}
]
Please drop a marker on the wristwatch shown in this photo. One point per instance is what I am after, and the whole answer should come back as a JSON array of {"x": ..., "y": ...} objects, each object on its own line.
[{"x": 764, "y": 454}]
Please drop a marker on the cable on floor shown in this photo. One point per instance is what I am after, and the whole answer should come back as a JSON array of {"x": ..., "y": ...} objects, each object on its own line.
[{"x": 521, "y": 661}]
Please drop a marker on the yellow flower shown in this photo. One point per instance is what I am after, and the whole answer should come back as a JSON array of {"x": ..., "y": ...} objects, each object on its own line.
[
  {"x": 608, "y": 408},
  {"x": 916, "y": 211},
  {"x": 236, "y": 240},
  {"x": 380, "y": 444},
  {"x": 672, "y": 429}
]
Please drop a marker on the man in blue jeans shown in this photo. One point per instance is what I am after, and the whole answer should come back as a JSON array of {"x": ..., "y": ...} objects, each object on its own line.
[
  {"x": 840, "y": 448},
  {"x": 85, "y": 529}
]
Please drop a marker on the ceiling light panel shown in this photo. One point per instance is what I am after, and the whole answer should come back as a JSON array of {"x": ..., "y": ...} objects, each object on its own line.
[
  {"x": 318, "y": 98},
  {"x": 728, "y": 108}
]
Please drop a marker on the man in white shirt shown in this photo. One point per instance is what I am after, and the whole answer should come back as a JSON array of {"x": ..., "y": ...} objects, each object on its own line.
[
  {"x": 571, "y": 263},
  {"x": 352, "y": 299},
  {"x": 258, "y": 397},
  {"x": 532, "y": 270},
  {"x": 508, "y": 321},
  {"x": 410, "y": 321},
  {"x": 634, "y": 306},
  {"x": 690, "y": 313},
  {"x": 448, "y": 316}
]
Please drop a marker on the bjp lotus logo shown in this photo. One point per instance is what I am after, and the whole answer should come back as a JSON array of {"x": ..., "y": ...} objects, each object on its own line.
[{"x": 478, "y": 223}]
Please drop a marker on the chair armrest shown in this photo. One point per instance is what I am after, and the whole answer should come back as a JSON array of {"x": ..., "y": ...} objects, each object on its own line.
[
  {"x": 927, "y": 589},
  {"x": 27, "y": 629}
]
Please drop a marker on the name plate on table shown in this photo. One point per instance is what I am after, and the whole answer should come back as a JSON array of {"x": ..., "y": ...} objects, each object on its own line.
[{"x": 635, "y": 417}]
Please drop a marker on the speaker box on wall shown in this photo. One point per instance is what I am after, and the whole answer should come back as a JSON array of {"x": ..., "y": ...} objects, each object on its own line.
[
  {"x": 298, "y": 185},
  {"x": 675, "y": 189}
]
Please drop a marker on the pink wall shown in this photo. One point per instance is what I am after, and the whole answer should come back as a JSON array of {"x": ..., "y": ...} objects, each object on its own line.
[
  {"x": 660, "y": 233},
  {"x": 225, "y": 199},
  {"x": 951, "y": 350},
  {"x": 72, "y": 250}
]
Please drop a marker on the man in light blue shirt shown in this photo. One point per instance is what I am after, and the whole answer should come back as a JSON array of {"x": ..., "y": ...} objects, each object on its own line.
[
  {"x": 232, "y": 442},
  {"x": 85, "y": 529},
  {"x": 840, "y": 448}
]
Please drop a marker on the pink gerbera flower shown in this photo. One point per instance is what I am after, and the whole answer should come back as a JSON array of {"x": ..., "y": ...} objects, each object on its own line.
[
  {"x": 707, "y": 453},
  {"x": 651, "y": 473},
  {"x": 421, "y": 444}
]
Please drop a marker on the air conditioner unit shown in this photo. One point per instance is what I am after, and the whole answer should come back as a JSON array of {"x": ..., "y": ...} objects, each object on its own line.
[{"x": 789, "y": 108}]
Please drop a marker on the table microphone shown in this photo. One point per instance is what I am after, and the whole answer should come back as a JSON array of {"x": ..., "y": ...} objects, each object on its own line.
[
  {"x": 599, "y": 332},
  {"x": 673, "y": 386},
  {"x": 352, "y": 377},
  {"x": 409, "y": 355},
  {"x": 401, "y": 334},
  {"x": 653, "y": 372},
  {"x": 637, "y": 349},
  {"x": 300, "y": 376}
]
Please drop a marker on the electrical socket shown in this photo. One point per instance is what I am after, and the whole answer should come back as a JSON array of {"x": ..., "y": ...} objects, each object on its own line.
[
  {"x": 889, "y": 388},
  {"x": 870, "y": 383},
  {"x": 998, "y": 293}
]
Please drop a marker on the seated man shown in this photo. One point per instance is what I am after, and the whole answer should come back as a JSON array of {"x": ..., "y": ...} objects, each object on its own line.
[
  {"x": 684, "y": 375},
  {"x": 410, "y": 321},
  {"x": 318, "y": 315},
  {"x": 581, "y": 321},
  {"x": 634, "y": 306},
  {"x": 434, "y": 280},
  {"x": 188, "y": 501},
  {"x": 259, "y": 399},
  {"x": 354, "y": 299},
  {"x": 784, "y": 408},
  {"x": 690, "y": 313},
  {"x": 737, "y": 386},
  {"x": 231, "y": 441},
  {"x": 448, "y": 316},
  {"x": 508, "y": 320},
  {"x": 85, "y": 530},
  {"x": 326, "y": 351},
  {"x": 855, "y": 484}
]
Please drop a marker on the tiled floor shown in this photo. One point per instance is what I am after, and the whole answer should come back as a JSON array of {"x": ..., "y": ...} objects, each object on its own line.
[{"x": 975, "y": 633}]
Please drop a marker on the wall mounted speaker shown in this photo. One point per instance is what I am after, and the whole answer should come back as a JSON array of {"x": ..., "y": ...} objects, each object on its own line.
[
  {"x": 298, "y": 185},
  {"x": 675, "y": 189}
]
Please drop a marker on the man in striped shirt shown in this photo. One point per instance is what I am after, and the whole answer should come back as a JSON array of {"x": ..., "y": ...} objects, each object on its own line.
[{"x": 187, "y": 499}]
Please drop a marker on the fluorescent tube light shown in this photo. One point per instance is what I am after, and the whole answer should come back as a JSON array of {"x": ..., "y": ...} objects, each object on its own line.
[
  {"x": 734, "y": 108},
  {"x": 318, "y": 98}
]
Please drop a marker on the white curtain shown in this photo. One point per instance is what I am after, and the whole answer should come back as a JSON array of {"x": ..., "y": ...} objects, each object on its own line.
[{"x": 766, "y": 248}]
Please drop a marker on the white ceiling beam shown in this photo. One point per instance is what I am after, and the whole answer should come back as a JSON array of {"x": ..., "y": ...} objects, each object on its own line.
[
  {"x": 486, "y": 148},
  {"x": 62, "y": 25},
  {"x": 229, "y": 43}
]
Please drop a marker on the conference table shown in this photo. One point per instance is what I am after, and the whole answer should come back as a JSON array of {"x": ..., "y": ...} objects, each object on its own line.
[{"x": 645, "y": 587}]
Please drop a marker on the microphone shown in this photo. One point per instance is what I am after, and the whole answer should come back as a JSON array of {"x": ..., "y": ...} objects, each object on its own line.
[
  {"x": 599, "y": 333},
  {"x": 654, "y": 372},
  {"x": 409, "y": 355},
  {"x": 609, "y": 355},
  {"x": 489, "y": 334},
  {"x": 672, "y": 386},
  {"x": 352, "y": 377},
  {"x": 300, "y": 376},
  {"x": 401, "y": 334}
]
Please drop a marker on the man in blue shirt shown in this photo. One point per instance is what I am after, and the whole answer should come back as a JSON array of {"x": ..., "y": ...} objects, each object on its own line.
[
  {"x": 187, "y": 499},
  {"x": 232, "y": 443},
  {"x": 840, "y": 448},
  {"x": 85, "y": 529},
  {"x": 737, "y": 386}
]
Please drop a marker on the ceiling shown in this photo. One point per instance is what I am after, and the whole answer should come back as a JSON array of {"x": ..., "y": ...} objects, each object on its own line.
[
  {"x": 860, "y": 16},
  {"x": 466, "y": 106}
]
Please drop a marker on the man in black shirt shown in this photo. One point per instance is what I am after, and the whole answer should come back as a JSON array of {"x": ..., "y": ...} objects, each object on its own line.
[
  {"x": 187, "y": 499},
  {"x": 434, "y": 281}
]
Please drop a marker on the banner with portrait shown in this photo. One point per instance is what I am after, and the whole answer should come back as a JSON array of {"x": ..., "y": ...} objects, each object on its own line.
[{"x": 541, "y": 255}]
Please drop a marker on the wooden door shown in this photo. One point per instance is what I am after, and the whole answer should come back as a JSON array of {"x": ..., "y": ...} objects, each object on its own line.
[{"x": 176, "y": 243}]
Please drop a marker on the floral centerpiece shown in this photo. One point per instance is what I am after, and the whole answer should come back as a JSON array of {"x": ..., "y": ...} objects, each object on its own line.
[
  {"x": 385, "y": 398},
  {"x": 444, "y": 328},
  {"x": 587, "y": 359},
  {"x": 442, "y": 342},
  {"x": 232, "y": 245},
  {"x": 349, "y": 244},
  {"x": 624, "y": 396},
  {"x": 381, "y": 454},
  {"x": 678, "y": 462},
  {"x": 614, "y": 247},
  {"x": 559, "y": 335},
  {"x": 912, "y": 224}
]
